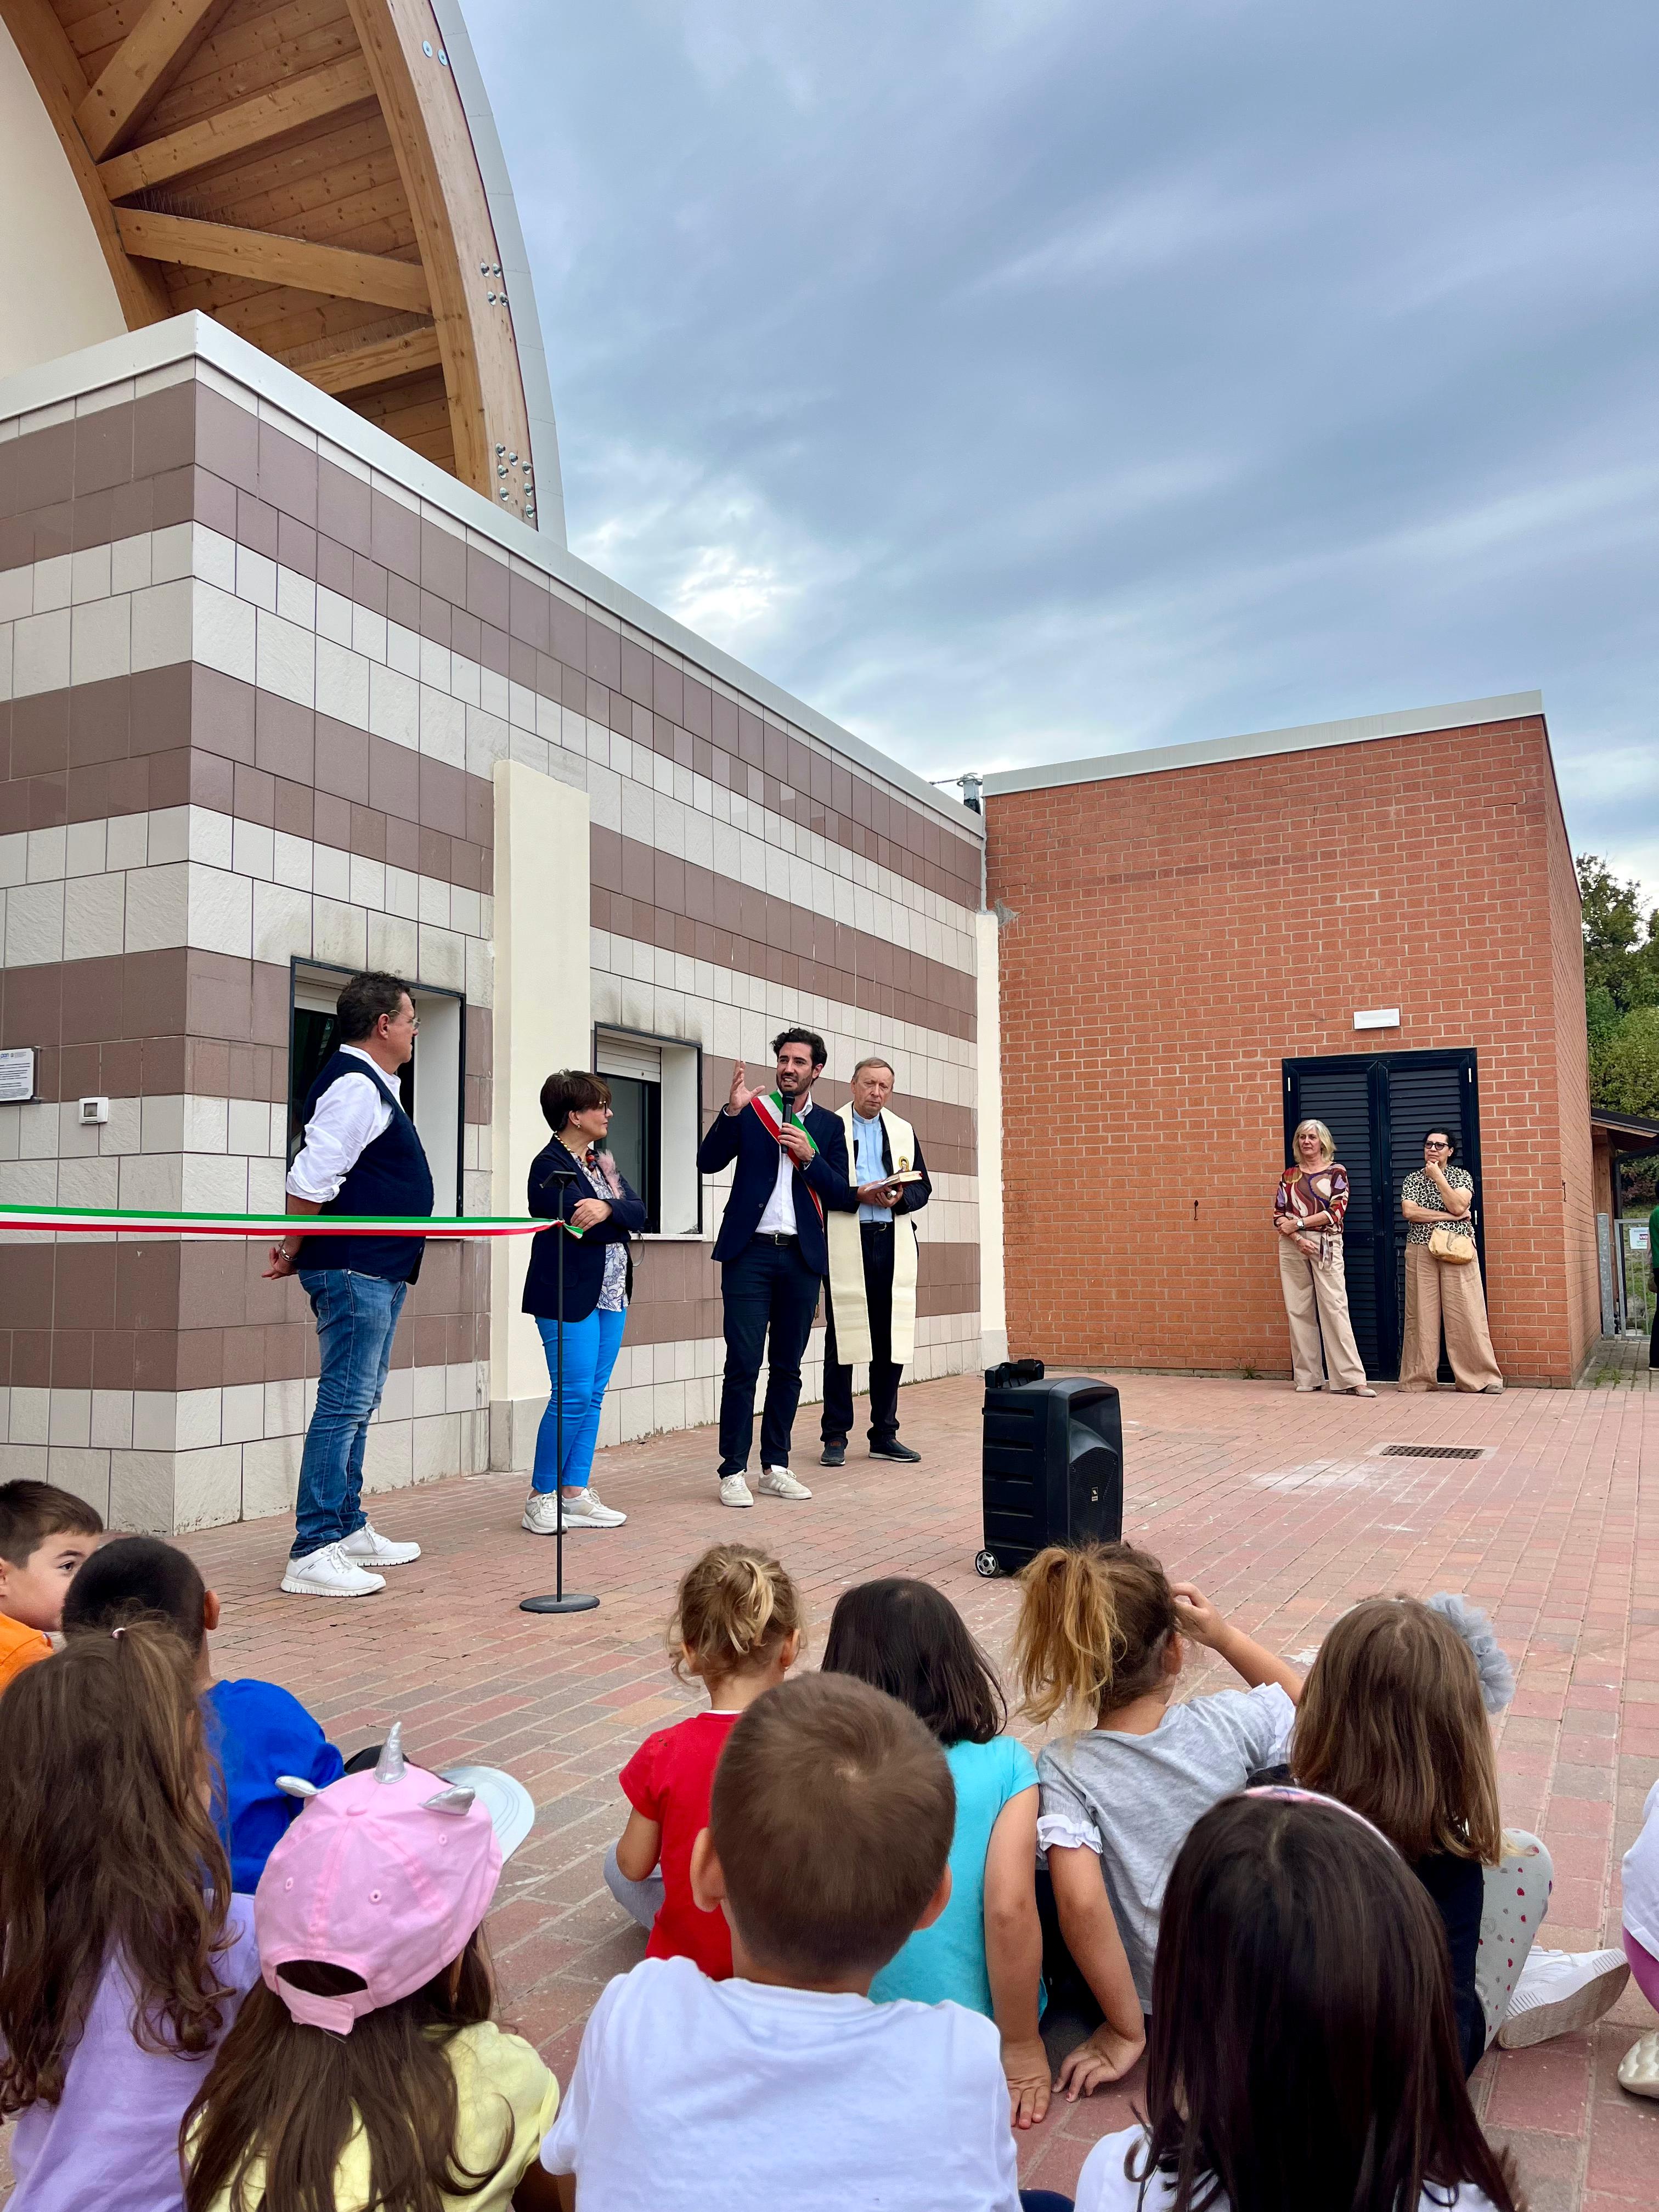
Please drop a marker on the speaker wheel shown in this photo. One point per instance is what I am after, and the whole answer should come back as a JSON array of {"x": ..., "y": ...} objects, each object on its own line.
[{"x": 985, "y": 1562}]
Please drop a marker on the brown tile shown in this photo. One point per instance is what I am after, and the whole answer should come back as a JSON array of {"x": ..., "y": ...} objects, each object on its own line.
[
  {"x": 226, "y": 440},
  {"x": 331, "y": 821},
  {"x": 493, "y": 649},
  {"x": 147, "y": 1286},
  {"x": 334, "y": 565},
  {"x": 244, "y": 1355},
  {"x": 31, "y": 1358},
  {"x": 288, "y": 475},
  {"x": 368, "y": 584},
  {"x": 293, "y": 810},
  {"x": 45, "y": 466},
  {"x": 80, "y": 1068},
  {"x": 153, "y": 994},
  {"x": 436, "y": 617},
  {"x": 271, "y": 1005},
  {"x": 164, "y": 1066},
  {"x": 394, "y": 779},
  {"x": 256, "y": 525},
  {"x": 443, "y": 797},
  {"x": 164, "y": 429},
  {"x": 222, "y": 715},
  {"x": 285, "y": 741},
  {"x": 201, "y": 1360},
  {"x": 84, "y": 1294},
  {"x": 443, "y": 564},
  {"x": 394, "y": 536},
  {"x": 402, "y": 844},
  {"x": 159, "y": 705},
  {"x": 487, "y": 595},
  {"x": 402, "y": 601},
  {"x": 529, "y": 613},
  {"x": 342, "y": 502},
  {"x": 155, "y": 1359},
  {"x": 368, "y": 833},
  {"x": 26, "y": 1284},
  {"x": 113, "y": 1360},
  {"x": 341, "y": 760},
  {"x": 254, "y": 798},
  {"x": 104, "y": 448},
  {"x": 208, "y": 780},
  {"x": 99, "y": 715},
  {"x": 40, "y": 733}
]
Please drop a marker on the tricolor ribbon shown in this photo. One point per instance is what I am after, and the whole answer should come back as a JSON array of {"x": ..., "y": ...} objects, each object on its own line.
[
  {"x": 134, "y": 1221},
  {"x": 775, "y": 1114}
]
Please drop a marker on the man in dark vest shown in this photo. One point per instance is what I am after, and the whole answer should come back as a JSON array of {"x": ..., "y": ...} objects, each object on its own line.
[{"x": 361, "y": 1156}]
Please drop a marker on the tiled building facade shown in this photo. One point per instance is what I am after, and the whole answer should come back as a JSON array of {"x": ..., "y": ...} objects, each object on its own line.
[
  {"x": 270, "y": 683},
  {"x": 1180, "y": 924}
]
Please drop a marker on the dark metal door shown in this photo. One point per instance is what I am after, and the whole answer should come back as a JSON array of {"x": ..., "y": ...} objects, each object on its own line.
[{"x": 1379, "y": 1106}]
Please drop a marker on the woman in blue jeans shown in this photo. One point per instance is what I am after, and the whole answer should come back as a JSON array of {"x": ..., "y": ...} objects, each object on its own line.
[{"x": 598, "y": 1277}]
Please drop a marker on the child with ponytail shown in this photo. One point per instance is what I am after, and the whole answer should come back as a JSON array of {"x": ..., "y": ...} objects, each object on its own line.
[
  {"x": 1101, "y": 1639},
  {"x": 736, "y": 1629},
  {"x": 125, "y": 1955}
]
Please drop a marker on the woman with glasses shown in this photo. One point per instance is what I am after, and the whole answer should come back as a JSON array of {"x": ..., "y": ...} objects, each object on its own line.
[
  {"x": 574, "y": 1178},
  {"x": 1446, "y": 1293},
  {"x": 1307, "y": 1210}
]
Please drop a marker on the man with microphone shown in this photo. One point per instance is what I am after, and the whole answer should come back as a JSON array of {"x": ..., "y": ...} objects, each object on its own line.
[{"x": 791, "y": 1163}]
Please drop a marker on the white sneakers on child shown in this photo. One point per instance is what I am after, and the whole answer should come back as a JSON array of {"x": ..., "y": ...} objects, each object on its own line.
[
  {"x": 1560, "y": 1991},
  {"x": 368, "y": 1548},
  {"x": 327, "y": 1572},
  {"x": 1638, "y": 2069},
  {"x": 540, "y": 1513},
  {"x": 778, "y": 1482}
]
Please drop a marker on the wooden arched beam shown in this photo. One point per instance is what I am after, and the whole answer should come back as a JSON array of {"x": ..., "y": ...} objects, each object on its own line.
[{"x": 241, "y": 138}]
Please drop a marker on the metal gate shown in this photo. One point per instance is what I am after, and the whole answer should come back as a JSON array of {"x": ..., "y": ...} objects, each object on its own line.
[{"x": 1379, "y": 1106}]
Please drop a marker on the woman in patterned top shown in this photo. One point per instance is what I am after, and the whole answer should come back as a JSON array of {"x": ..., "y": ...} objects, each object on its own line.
[
  {"x": 1440, "y": 1196},
  {"x": 575, "y": 1178},
  {"x": 1308, "y": 1211}
]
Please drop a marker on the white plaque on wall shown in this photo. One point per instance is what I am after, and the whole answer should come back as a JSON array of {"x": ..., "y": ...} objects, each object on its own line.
[
  {"x": 1377, "y": 1018},
  {"x": 16, "y": 1074}
]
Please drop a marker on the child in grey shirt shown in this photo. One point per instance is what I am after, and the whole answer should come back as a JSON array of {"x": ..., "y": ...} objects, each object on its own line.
[{"x": 1100, "y": 1636}]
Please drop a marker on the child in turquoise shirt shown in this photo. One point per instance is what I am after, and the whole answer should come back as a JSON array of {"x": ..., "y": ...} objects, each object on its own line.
[{"x": 985, "y": 1950}]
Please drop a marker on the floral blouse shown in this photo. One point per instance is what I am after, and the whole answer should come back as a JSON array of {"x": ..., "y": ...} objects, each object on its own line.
[
  {"x": 613, "y": 1289},
  {"x": 1421, "y": 1192},
  {"x": 1324, "y": 1191}
]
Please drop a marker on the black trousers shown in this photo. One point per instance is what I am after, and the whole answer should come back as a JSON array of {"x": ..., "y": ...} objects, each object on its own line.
[
  {"x": 768, "y": 1290},
  {"x": 878, "y": 1238}
]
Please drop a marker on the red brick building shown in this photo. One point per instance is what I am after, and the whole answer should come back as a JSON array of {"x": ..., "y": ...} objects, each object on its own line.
[{"x": 1375, "y": 921}]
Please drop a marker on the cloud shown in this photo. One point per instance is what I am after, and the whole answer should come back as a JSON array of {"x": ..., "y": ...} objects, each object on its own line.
[{"x": 1018, "y": 380}]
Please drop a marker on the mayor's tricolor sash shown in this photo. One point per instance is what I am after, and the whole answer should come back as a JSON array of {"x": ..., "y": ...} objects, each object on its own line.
[
  {"x": 774, "y": 1112},
  {"x": 847, "y": 1294}
]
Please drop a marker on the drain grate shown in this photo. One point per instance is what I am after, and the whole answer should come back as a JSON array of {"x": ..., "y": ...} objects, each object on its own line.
[{"x": 1433, "y": 1451}]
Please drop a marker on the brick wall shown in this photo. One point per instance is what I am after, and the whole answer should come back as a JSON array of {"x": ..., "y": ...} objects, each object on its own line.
[{"x": 1174, "y": 936}]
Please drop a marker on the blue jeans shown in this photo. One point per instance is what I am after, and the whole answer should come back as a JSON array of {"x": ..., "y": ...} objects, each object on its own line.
[
  {"x": 357, "y": 1316},
  {"x": 590, "y": 1353}
]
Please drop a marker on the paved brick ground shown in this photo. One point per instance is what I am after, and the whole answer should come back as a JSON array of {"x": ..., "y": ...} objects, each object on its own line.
[{"x": 1275, "y": 1505}]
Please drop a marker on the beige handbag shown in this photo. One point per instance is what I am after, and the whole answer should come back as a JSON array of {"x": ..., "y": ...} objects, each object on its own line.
[{"x": 1446, "y": 1244}]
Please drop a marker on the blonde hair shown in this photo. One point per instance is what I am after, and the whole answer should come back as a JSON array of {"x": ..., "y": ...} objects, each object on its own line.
[
  {"x": 735, "y": 1607},
  {"x": 1094, "y": 1628},
  {"x": 1326, "y": 1142},
  {"x": 1391, "y": 1722}
]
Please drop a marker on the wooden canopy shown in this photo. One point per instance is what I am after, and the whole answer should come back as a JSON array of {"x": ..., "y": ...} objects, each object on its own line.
[{"x": 303, "y": 172}]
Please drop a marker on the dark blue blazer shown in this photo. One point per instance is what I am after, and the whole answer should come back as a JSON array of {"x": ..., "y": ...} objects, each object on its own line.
[
  {"x": 584, "y": 1255},
  {"x": 743, "y": 1138}
]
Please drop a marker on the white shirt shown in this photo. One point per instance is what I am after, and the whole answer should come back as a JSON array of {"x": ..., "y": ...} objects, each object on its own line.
[
  {"x": 1102, "y": 2185},
  {"x": 780, "y": 1215},
  {"x": 689, "y": 2092},
  {"x": 349, "y": 1115},
  {"x": 869, "y": 1164},
  {"x": 1641, "y": 1912}
]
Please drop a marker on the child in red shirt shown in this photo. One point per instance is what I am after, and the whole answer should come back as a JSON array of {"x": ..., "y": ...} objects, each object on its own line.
[{"x": 736, "y": 1629}]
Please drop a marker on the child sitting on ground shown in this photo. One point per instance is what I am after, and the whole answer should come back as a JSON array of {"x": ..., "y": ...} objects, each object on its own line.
[
  {"x": 126, "y": 1955},
  {"x": 367, "y": 2068},
  {"x": 1303, "y": 2050},
  {"x": 1393, "y": 1722},
  {"x": 255, "y": 1731},
  {"x": 1100, "y": 1636},
  {"x": 985, "y": 1950},
  {"x": 828, "y": 1843},
  {"x": 45, "y": 1534},
  {"x": 736, "y": 1629}
]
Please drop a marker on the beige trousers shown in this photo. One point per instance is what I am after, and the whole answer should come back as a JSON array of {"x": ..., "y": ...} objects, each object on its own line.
[
  {"x": 1316, "y": 1302},
  {"x": 1436, "y": 1294}
]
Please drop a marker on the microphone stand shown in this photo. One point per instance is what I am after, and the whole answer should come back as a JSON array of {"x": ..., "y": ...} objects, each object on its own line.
[{"x": 561, "y": 1600}]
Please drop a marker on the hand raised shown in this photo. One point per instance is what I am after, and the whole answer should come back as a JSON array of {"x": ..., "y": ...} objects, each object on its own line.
[
  {"x": 740, "y": 1093},
  {"x": 1199, "y": 1619}
]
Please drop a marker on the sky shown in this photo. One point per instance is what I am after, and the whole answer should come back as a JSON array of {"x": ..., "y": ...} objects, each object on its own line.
[{"x": 1026, "y": 380}]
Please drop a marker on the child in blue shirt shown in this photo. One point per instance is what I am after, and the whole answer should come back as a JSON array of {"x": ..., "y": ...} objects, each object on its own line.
[
  {"x": 985, "y": 1950},
  {"x": 255, "y": 1731}
]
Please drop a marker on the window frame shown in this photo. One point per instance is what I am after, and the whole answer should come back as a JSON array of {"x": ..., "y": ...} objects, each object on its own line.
[{"x": 624, "y": 1034}]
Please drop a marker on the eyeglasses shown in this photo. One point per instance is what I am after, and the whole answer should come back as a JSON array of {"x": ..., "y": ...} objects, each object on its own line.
[{"x": 1434, "y": 1145}]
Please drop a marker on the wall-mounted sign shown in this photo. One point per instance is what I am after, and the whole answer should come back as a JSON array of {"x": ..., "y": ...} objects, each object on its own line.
[
  {"x": 1639, "y": 1240},
  {"x": 1377, "y": 1018},
  {"x": 17, "y": 1075}
]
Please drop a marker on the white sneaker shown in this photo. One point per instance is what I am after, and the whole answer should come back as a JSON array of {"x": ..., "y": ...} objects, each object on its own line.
[
  {"x": 586, "y": 1511},
  {"x": 1638, "y": 2069},
  {"x": 1560, "y": 1991},
  {"x": 368, "y": 1548},
  {"x": 778, "y": 1482},
  {"x": 734, "y": 1491},
  {"x": 327, "y": 1573}
]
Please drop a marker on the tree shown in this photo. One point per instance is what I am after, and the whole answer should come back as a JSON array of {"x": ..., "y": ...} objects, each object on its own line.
[{"x": 1621, "y": 989}]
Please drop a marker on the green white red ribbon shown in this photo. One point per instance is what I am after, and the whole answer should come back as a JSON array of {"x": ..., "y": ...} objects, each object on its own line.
[{"x": 136, "y": 1221}]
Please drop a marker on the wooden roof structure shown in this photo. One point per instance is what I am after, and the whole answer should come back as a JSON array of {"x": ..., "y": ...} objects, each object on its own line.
[{"x": 303, "y": 170}]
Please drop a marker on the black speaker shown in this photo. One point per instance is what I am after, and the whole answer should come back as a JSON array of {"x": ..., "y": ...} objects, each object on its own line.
[{"x": 1053, "y": 1467}]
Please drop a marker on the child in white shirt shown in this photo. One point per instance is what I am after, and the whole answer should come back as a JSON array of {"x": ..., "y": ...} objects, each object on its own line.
[{"x": 829, "y": 1836}]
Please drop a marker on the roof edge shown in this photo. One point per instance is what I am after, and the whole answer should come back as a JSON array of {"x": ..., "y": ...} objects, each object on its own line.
[{"x": 1361, "y": 729}]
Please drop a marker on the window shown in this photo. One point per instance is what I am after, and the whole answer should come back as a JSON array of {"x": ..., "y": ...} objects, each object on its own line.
[
  {"x": 429, "y": 1087},
  {"x": 656, "y": 1086}
]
